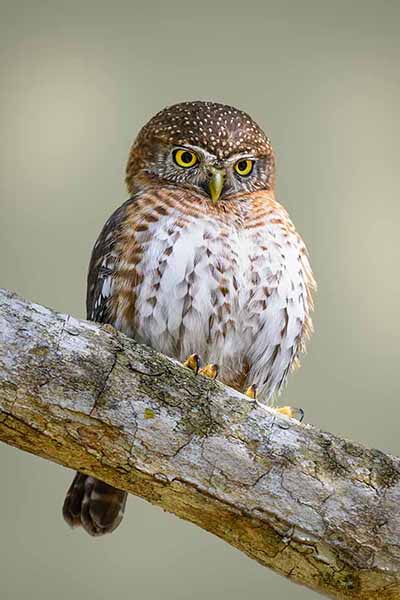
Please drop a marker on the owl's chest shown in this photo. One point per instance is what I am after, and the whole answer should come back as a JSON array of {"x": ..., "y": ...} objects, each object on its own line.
[
  {"x": 236, "y": 295},
  {"x": 192, "y": 282},
  {"x": 192, "y": 287}
]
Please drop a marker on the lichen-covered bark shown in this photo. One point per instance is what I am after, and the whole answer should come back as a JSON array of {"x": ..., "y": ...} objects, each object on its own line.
[{"x": 318, "y": 509}]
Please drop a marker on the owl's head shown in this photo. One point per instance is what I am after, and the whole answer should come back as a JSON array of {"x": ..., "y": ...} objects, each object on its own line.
[{"x": 214, "y": 149}]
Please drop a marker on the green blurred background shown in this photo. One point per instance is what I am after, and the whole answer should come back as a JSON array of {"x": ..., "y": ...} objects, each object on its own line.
[{"x": 77, "y": 81}]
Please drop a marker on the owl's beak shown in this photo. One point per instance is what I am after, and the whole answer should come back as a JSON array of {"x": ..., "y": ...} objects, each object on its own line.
[{"x": 216, "y": 183}]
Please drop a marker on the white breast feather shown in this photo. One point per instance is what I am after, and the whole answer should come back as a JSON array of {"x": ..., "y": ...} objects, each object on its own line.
[{"x": 185, "y": 316}]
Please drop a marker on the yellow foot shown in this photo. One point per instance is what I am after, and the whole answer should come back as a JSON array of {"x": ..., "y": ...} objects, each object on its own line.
[
  {"x": 288, "y": 411},
  {"x": 211, "y": 370},
  {"x": 251, "y": 391},
  {"x": 193, "y": 363},
  {"x": 293, "y": 413}
]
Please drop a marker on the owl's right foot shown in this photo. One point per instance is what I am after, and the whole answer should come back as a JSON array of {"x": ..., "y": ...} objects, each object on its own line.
[{"x": 211, "y": 370}]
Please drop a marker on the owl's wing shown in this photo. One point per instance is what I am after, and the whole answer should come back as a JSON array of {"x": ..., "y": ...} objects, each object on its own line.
[
  {"x": 90, "y": 503},
  {"x": 102, "y": 266}
]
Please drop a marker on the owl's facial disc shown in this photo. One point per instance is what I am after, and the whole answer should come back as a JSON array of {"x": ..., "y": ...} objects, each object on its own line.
[
  {"x": 218, "y": 179},
  {"x": 202, "y": 165},
  {"x": 180, "y": 144}
]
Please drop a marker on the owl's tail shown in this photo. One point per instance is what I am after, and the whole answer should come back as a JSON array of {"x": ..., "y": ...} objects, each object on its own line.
[{"x": 93, "y": 505}]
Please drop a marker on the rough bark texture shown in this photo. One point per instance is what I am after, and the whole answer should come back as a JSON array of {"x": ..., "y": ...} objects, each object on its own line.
[{"x": 318, "y": 509}]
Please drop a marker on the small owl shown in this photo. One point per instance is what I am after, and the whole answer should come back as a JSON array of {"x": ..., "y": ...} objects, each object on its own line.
[{"x": 200, "y": 263}]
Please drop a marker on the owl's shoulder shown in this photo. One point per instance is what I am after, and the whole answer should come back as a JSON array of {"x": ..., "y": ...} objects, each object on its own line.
[{"x": 103, "y": 262}]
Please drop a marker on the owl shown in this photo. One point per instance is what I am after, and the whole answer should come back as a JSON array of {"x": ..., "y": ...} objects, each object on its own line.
[{"x": 202, "y": 264}]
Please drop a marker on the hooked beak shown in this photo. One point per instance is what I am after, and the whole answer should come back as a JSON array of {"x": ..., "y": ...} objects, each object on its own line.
[{"x": 216, "y": 183}]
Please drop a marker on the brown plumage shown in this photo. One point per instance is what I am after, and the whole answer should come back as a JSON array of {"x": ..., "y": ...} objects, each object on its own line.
[
  {"x": 200, "y": 259},
  {"x": 221, "y": 130}
]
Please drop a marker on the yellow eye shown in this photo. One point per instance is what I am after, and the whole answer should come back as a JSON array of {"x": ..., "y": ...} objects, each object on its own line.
[
  {"x": 244, "y": 167},
  {"x": 185, "y": 158}
]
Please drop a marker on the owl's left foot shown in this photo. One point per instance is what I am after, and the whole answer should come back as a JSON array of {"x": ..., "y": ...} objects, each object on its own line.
[
  {"x": 292, "y": 412},
  {"x": 251, "y": 392},
  {"x": 288, "y": 411},
  {"x": 211, "y": 370}
]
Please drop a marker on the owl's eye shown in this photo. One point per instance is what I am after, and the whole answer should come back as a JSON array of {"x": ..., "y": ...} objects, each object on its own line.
[
  {"x": 185, "y": 158},
  {"x": 244, "y": 167}
]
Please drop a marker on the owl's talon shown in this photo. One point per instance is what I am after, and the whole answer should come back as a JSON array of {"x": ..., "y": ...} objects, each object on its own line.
[
  {"x": 251, "y": 391},
  {"x": 211, "y": 370},
  {"x": 293, "y": 413},
  {"x": 193, "y": 363}
]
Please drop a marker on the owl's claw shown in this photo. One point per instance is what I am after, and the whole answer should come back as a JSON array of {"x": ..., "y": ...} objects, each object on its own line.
[
  {"x": 293, "y": 413},
  {"x": 211, "y": 370},
  {"x": 251, "y": 392},
  {"x": 193, "y": 363},
  {"x": 288, "y": 411}
]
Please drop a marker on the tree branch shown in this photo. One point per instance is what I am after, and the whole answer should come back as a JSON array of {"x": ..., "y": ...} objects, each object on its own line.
[{"x": 318, "y": 509}]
